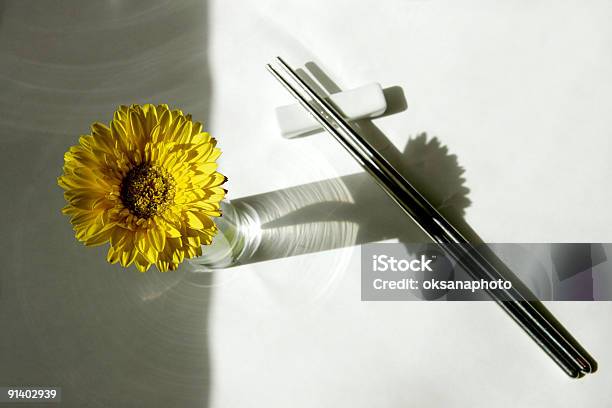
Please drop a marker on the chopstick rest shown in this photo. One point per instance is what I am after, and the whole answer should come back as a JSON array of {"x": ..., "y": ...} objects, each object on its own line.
[{"x": 367, "y": 101}]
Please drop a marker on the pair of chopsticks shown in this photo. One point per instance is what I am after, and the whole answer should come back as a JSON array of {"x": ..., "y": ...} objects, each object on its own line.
[{"x": 518, "y": 302}]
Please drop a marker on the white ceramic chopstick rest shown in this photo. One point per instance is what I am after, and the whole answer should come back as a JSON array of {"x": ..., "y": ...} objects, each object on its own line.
[{"x": 367, "y": 101}]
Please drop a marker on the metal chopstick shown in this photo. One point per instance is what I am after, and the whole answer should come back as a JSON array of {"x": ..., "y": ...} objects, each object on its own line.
[{"x": 531, "y": 316}]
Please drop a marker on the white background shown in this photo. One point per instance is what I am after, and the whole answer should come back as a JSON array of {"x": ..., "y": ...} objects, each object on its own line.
[{"x": 520, "y": 92}]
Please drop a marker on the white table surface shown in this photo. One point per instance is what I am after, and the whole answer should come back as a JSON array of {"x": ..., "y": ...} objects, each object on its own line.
[{"x": 518, "y": 91}]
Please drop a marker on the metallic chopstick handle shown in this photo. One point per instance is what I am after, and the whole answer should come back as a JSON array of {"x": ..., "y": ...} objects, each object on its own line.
[{"x": 554, "y": 340}]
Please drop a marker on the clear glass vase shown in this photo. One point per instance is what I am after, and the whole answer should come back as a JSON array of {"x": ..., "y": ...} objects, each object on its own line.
[{"x": 238, "y": 238}]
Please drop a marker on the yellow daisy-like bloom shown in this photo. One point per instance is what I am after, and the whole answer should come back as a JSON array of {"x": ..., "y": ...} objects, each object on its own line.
[{"x": 147, "y": 184}]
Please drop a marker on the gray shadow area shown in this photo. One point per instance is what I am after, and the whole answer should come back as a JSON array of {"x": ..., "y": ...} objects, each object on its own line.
[{"x": 106, "y": 336}]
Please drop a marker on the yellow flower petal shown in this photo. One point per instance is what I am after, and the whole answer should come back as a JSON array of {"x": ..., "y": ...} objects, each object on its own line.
[{"x": 147, "y": 184}]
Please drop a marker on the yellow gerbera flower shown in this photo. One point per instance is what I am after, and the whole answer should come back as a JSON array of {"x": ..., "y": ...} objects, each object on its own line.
[{"x": 148, "y": 184}]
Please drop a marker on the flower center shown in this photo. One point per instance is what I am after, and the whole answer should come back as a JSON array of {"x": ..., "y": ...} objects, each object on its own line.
[{"x": 147, "y": 190}]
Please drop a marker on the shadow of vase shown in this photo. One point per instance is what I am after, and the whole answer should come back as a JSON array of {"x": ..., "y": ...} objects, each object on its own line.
[{"x": 339, "y": 212}]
